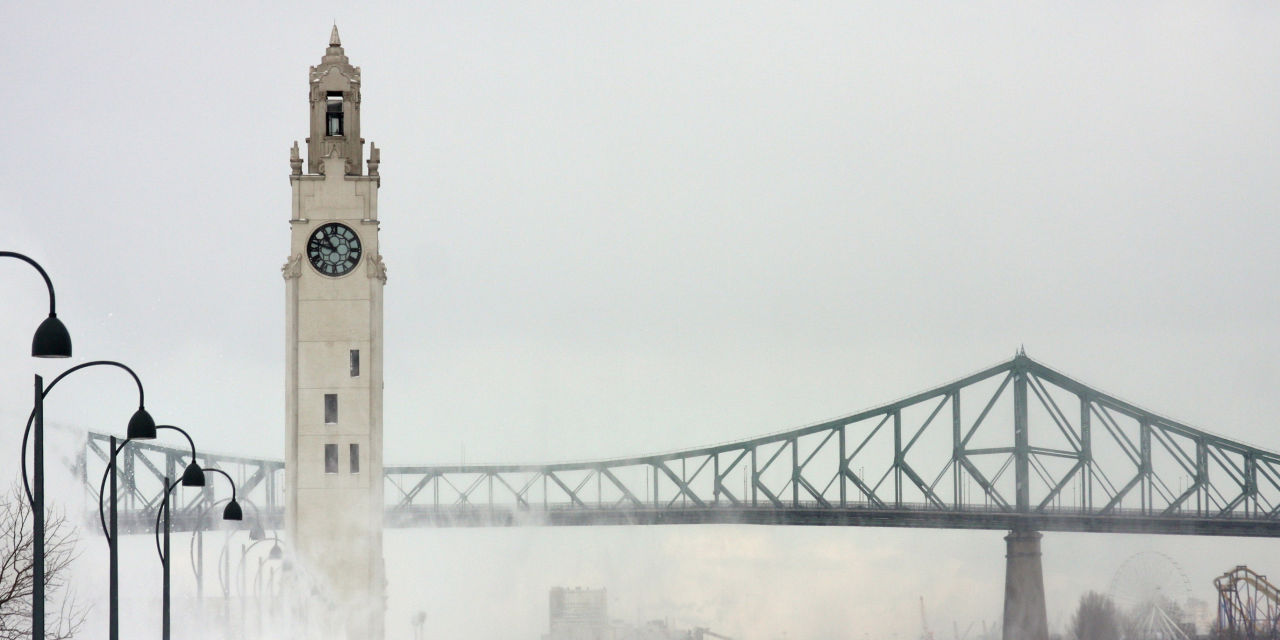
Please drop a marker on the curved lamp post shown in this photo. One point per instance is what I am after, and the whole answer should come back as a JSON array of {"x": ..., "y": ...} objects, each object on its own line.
[
  {"x": 231, "y": 512},
  {"x": 51, "y": 340},
  {"x": 196, "y": 550},
  {"x": 257, "y": 534},
  {"x": 275, "y": 554},
  {"x": 192, "y": 476},
  {"x": 141, "y": 427}
]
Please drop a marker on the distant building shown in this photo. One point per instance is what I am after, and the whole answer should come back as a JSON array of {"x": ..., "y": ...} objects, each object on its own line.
[{"x": 579, "y": 614}]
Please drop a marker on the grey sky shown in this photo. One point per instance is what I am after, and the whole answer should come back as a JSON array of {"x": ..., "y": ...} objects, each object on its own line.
[{"x": 619, "y": 228}]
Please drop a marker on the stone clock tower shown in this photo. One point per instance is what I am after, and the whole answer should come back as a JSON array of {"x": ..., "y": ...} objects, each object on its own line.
[{"x": 333, "y": 362}]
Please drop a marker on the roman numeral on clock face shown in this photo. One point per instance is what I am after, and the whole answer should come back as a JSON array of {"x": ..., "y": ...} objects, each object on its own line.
[{"x": 334, "y": 249}]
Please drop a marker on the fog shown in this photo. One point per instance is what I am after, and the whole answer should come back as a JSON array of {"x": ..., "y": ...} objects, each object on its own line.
[{"x": 618, "y": 229}]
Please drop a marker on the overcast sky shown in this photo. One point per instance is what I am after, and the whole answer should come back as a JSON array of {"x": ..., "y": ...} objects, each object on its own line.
[{"x": 616, "y": 228}]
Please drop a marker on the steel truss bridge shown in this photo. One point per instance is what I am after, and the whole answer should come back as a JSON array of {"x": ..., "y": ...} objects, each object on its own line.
[{"x": 1016, "y": 446}]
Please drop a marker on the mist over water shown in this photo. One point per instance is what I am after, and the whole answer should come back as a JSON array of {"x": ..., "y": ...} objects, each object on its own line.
[{"x": 613, "y": 230}]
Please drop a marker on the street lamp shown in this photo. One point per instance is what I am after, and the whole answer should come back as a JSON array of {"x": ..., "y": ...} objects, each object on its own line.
[
  {"x": 276, "y": 553},
  {"x": 256, "y": 532},
  {"x": 51, "y": 340},
  {"x": 192, "y": 476},
  {"x": 230, "y": 512},
  {"x": 275, "y": 557},
  {"x": 141, "y": 426}
]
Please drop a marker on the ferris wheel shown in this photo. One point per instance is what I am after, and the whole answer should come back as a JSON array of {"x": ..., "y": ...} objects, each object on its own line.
[{"x": 1154, "y": 592}]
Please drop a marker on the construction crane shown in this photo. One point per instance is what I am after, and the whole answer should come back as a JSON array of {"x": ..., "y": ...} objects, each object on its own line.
[
  {"x": 925, "y": 633},
  {"x": 699, "y": 633}
]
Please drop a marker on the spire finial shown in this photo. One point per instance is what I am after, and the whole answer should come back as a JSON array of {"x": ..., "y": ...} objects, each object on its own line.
[{"x": 333, "y": 37}]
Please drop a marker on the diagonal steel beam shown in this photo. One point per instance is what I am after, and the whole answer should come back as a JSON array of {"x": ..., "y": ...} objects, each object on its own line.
[
  {"x": 681, "y": 485},
  {"x": 572, "y": 495},
  {"x": 866, "y": 491},
  {"x": 521, "y": 499},
  {"x": 618, "y": 483},
  {"x": 987, "y": 409}
]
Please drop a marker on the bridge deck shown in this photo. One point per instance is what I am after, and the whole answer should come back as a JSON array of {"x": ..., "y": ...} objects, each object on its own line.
[{"x": 919, "y": 515}]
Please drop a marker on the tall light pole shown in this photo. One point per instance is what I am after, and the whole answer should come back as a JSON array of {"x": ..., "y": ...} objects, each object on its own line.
[
  {"x": 192, "y": 476},
  {"x": 231, "y": 512},
  {"x": 256, "y": 534},
  {"x": 51, "y": 340},
  {"x": 141, "y": 426}
]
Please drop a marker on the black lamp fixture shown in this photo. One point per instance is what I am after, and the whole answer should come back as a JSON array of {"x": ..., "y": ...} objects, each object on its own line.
[
  {"x": 51, "y": 339},
  {"x": 275, "y": 553},
  {"x": 193, "y": 475},
  {"x": 141, "y": 425}
]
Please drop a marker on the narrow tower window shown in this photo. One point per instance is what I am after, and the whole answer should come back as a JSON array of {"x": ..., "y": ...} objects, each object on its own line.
[
  {"x": 331, "y": 458},
  {"x": 331, "y": 408},
  {"x": 333, "y": 114},
  {"x": 355, "y": 458},
  {"x": 355, "y": 363}
]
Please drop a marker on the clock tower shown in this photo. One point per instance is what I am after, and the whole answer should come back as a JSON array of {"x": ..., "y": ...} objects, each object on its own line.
[{"x": 333, "y": 361}]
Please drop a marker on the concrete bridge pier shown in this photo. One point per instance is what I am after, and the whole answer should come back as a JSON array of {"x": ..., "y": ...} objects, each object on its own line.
[{"x": 1024, "y": 612}]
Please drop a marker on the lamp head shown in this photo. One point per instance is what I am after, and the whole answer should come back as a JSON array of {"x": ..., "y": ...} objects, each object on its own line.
[
  {"x": 232, "y": 511},
  {"x": 142, "y": 427},
  {"x": 51, "y": 339},
  {"x": 193, "y": 475},
  {"x": 256, "y": 532},
  {"x": 275, "y": 553}
]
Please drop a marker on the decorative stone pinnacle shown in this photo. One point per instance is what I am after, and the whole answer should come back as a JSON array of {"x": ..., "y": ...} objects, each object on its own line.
[
  {"x": 375, "y": 159},
  {"x": 334, "y": 41}
]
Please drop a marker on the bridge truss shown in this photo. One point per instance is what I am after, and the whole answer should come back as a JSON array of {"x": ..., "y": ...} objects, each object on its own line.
[{"x": 1018, "y": 445}]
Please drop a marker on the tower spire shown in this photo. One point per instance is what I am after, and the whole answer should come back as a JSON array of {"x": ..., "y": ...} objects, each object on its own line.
[{"x": 335, "y": 110}]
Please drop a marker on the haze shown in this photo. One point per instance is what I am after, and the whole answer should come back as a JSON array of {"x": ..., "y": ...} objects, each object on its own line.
[{"x": 613, "y": 229}]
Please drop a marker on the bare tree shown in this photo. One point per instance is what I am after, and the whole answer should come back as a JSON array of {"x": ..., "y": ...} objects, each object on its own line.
[
  {"x": 63, "y": 617},
  {"x": 1096, "y": 618}
]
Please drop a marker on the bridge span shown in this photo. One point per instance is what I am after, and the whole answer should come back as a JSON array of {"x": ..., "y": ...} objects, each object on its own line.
[{"x": 1015, "y": 446}]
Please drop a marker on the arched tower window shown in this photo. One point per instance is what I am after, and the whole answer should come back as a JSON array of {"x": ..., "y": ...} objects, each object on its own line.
[{"x": 333, "y": 114}]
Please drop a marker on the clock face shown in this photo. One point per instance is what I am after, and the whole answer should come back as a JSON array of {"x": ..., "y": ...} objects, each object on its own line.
[{"x": 334, "y": 249}]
